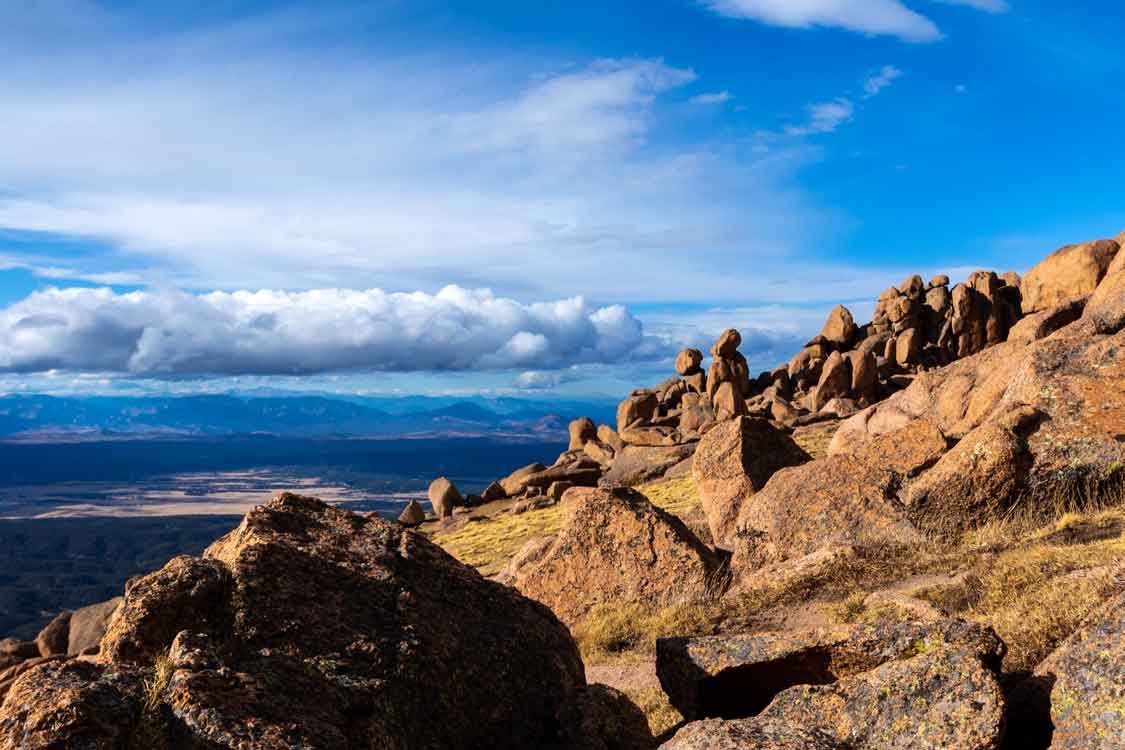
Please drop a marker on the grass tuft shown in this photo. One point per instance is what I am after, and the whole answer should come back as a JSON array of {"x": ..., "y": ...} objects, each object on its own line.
[{"x": 152, "y": 731}]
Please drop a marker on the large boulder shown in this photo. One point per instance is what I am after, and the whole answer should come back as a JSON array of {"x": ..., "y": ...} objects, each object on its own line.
[
  {"x": 412, "y": 514},
  {"x": 734, "y": 460},
  {"x": 735, "y": 676},
  {"x": 616, "y": 546},
  {"x": 944, "y": 697},
  {"x": 636, "y": 464},
  {"x": 385, "y": 629},
  {"x": 88, "y": 625},
  {"x": 1066, "y": 274},
  {"x": 847, "y": 499},
  {"x": 1106, "y": 309},
  {"x": 582, "y": 430},
  {"x": 516, "y": 482},
  {"x": 444, "y": 497},
  {"x": 1086, "y": 680},
  {"x": 640, "y": 407},
  {"x": 835, "y": 381}
]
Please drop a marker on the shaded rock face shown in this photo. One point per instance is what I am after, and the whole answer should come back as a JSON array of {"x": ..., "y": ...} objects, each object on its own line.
[
  {"x": 1106, "y": 309},
  {"x": 88, "y": 625},
  {"x": 1086, "y": 680},
  {"x": 54, "y": 639},
  {"x": 715, "y": 734},
  {"x": 734, "y": 460},
  {"x": 737, "y": 676},
  {"x": 304, "y": 599},
  {"x": 636, "y": 464},
  {"x": 582, "y": 431},
  {"x": 615, "y": 546},
  {"x": 1068, "y": 273}
]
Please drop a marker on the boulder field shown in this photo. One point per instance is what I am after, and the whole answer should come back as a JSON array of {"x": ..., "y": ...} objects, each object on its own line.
[{"x": 312, "y": 627}]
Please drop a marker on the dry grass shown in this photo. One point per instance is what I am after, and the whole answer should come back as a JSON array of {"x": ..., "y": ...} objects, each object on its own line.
[
  {"x": 628, "y": 631},
  {"x": 814, "y": 438},
  {"x": 660, "y": 713},
  {"x": 489, "y": 544},
  {"x": 1036, "y": 594},
  {"x": 151, "y": 731}
]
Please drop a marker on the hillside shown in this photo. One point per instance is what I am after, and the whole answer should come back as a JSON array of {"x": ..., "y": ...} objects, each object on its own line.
[{"x": 912, "y": 535}]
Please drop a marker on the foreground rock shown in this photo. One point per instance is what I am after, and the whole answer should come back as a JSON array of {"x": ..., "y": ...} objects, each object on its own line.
[
  {"x": 615, "y": 546},
  {"x": 944, "y": 698},
  {"x": 734, "y": 460},
  {"x": 736, "y": 676},
  {"x": 1086, "y": 678},
  {"x": 401, "y": 645}
]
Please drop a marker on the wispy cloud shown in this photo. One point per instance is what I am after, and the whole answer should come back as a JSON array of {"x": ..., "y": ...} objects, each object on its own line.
[
  {"x": 825, "y": 117},
  {"x": 718, "y": 97},
  {"x": 882, "y": 17},
  {"x": 989, "y": 6},
  {"x": 876, "y": 83}
]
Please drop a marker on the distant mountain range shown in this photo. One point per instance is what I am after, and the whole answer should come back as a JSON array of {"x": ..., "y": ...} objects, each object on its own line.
[{"x": 51, "y": 417}]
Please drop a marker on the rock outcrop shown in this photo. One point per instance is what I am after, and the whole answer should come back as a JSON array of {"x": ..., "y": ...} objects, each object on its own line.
[
  {"x": 402, "y": 646},
  {"x": 615, "y": 546}
]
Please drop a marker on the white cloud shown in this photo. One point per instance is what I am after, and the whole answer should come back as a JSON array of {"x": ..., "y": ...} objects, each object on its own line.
[
  {"x": 876, "y": 83},
  {"x": 718, "y": 97},
  {"x": 825, "y": 117},
  {"x": 882, "y": 17},
  {"x": 170, "y": 333}
]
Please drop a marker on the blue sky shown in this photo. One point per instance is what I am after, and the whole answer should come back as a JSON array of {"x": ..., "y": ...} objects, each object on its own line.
[{"x": 183, "y": 185}]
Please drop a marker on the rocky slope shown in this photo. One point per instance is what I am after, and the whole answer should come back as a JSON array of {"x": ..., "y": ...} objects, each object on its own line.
[{"x": 850, "y": 599}]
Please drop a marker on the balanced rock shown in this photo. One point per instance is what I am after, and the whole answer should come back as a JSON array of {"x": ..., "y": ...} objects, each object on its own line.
[
  {"x": 734, "y": 460},
  {"x": 444, "y": 497},
  {"x": 616, "y": 546},
  {"x": 304, "y": 599},
  {"x": 840, "y": 328}
]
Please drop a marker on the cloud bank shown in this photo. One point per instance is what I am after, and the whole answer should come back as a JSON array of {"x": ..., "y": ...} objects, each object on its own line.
[{"x": 170, "y": 333}]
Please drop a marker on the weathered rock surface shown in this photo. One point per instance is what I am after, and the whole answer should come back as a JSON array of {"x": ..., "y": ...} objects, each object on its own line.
[
  {"x": 943, "y": 698},
  {"x": 70, "y": 704},
  {"x": 1066, "y": 274},
  {"x": 516, "y": 482},
  {"x": 615, "y": 546},
  {"x": 1086, "y": 675},
  {"x": 734, "y": 460},
  {"x": 736, "y": 676},
  {"x": 716, "y": 734}
]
